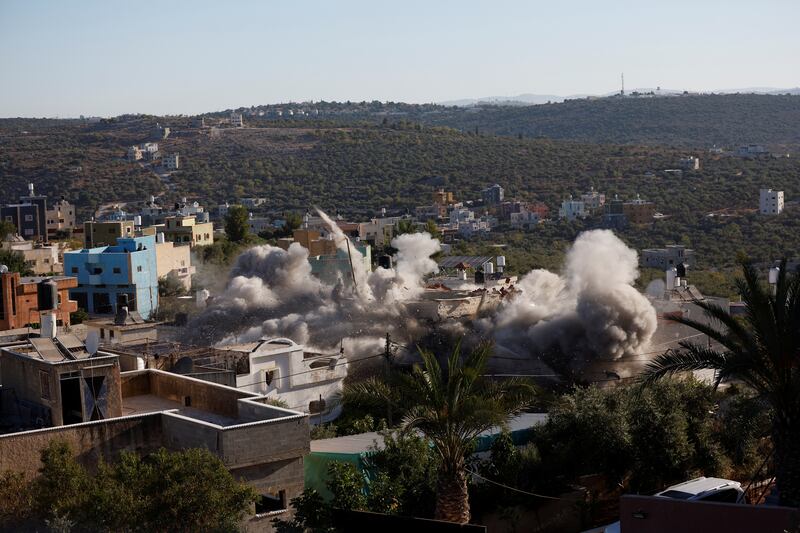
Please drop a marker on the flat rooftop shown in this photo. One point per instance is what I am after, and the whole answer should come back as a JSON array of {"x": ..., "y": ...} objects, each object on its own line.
[{"x": 149, "y": 403}]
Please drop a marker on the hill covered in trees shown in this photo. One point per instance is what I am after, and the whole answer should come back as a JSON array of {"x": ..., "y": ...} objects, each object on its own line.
[
  {"x": 695, "y": 121},
  {"x": 358, "y": 169}
]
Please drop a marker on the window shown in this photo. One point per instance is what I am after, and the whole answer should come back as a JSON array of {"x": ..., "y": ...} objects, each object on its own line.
[
  {"x": 28, "y": 218},
  {"x": 28, "y": 232},
  {"x": 183, "y": 263},
  {"x": 117, "y": 270},
  {"x": 97, "y": 270},
  {"x": 725, "y": 496},
  {"x": 139, "y": 268},
  {"x": 111, "y": 334},
  {"x": 44, "y": 383},
  {"x": 9, "y": 219},
  {"x": 102, "y": 333}
]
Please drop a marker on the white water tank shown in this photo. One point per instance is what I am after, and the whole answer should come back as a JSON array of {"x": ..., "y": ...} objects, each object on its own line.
[
  {"x": 774, "y": 272},
  {"x": 137, "y": 220},
  {"x": 48, "y": 326},
  {"x": 501, "y": 263},
  {"x": 488, "y": 267},
  {"x": 672, "y": 275},
  {"x": 160, "y": 237}
]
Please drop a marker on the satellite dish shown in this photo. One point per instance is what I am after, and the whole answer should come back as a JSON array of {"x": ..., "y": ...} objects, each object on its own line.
[
  {"x": 3, "y": 269},
  {"x": 92, "y": 342}
]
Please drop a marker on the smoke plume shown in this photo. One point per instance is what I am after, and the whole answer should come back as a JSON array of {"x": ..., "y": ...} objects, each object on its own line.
[
  {"x": 590, "y": 308},
  {"x": 272, "y": 292}
]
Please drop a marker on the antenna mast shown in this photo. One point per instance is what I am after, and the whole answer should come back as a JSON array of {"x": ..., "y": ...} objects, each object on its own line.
[{"x": 622, "y": 91}]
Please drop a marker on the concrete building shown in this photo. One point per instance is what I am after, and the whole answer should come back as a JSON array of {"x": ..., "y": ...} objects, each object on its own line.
[
  {"x": 106, "y": 233},
  {"x": 171, "y": 161},
  {"x": 106, "y": 273},
  {"x": 379, "y": 231},
  {"x": 639, "y": 211},
  {"x": 593, "y": 200},
  {"x": 252, "y": 203},
  {"x": 84, "y": 398},
  {"x": 124, "y": 329},
  {"x": 524, "y": 220},
  {"x": 770, "y": 202},
  {"x": 174, "y": 261},
  {"x": 29, "y": 216},
  {"x": 614, "y": 214},
  {"x": 493, "y": 195},
  {"x": 751, "y": 151},
  {"x": 19, "y": 303},
  {"x": 336, "y": 266},
  {"x": 667, "y": 257},
  {"x": 259, "y": 224},
  {"x": 60, "y": 218},
  {"x": 572, "y": 209},
  {"x": 328, "y": 262},
  {"x": 442, "y": 197},
  {"x": 311, "y": 240},
  {"x": 40, "y": 258},
  {"x": 134, "y": 154},
  {"x": 236, "y": 120},
  {"x": 280, "y": 368},
  {"x": 690, "y": 163},
  {"x": 186, "y": 230}
]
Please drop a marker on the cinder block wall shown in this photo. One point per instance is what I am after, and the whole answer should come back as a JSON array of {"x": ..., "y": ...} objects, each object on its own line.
[{"x": 90, "y": 441}]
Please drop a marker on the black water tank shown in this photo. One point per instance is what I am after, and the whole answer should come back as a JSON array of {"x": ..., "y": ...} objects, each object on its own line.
[
  {"x": 47, "y": 295},
  {"x": 479, "y": 277},
  {"x": 122, "y": 300},
  {"x": 681, "y": 270}
]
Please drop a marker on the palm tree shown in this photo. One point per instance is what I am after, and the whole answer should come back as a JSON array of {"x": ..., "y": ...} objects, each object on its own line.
[
  {"x": 761, "y": 350},
  {"x": 451, "y": 407}
]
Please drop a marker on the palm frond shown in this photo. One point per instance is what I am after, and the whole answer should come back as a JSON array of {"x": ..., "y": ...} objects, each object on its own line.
[{"x": 694, "y": 357}]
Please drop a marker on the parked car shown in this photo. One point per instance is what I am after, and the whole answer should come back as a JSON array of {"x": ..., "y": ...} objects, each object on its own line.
[{"x": 703, "y": 489}]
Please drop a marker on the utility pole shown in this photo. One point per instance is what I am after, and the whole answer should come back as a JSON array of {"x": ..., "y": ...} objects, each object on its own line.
[
  {"x": 622, "y": 90},
  {"x": 387, "y": 354}
]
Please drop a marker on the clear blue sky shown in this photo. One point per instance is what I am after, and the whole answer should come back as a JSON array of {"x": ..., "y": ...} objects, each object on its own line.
[{"x": 107, "y": 57}]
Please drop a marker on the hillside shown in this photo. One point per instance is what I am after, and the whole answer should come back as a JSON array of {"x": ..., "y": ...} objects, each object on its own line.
[
  {"x": 693, "y": 121},
  {"x": 357, "y": 170}
]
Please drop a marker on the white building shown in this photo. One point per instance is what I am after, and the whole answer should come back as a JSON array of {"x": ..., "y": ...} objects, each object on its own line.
[
  {"x": 667, "y": 257},
  {"x": 690, "y": 163},
  {"x": 572, "y": 209},
  {"x": 282, "y": 369},
  {"x": 236, "y": 120},
  {"x": 259, "y": 224},
  {"x": 593, "y": 200},
  {"x": 378, "y": 231},
  {"x": 770, "y": 202},
  {"x": 524, "y": 219},
  {"x": 171, "y": 161}
]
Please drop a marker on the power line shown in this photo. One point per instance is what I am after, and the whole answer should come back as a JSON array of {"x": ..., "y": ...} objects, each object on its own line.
[{"x": 512, "y": 488}]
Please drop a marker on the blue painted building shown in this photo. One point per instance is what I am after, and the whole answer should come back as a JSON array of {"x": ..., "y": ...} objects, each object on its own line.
[{"x": 103, "y": 273}]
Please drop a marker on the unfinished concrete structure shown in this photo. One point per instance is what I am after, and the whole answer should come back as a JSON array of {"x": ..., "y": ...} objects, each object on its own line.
[{"x": 109, "y": 412}]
